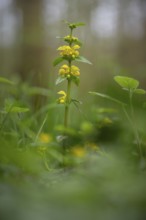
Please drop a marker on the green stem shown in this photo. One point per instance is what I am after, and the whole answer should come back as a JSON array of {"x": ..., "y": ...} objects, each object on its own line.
[
  {"x": 133, "y": 123},
  {"x": 66, "y": 115},
  {"x": 131, "y": 104},
  {"x": 67, "y": 104}
]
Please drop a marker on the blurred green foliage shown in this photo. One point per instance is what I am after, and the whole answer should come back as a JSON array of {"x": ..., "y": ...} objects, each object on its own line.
[{"x": 101, "y": 175}]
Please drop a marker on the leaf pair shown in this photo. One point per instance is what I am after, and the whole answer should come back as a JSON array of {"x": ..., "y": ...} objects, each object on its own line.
[
  {"x": 129, "y": 84},
  {"x": 60, "y": 79},
  {"x": 74, "y": 25},
  {"x": 79, "y": 59}
]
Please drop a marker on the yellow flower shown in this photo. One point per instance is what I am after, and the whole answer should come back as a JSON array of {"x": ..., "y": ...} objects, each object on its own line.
[
  {"x": 62, "y": 99},
  {"x": 67, "y": 51},
  {"x": 62, "y": 93},
  {"x": 75, "y": 71},
  {"x": 45, "y": 138},
  {"x": 70, "y": 39},
  {"x": 78, "y": 151},
  {"x": 65, "y": 66},
  {"x": 75, "y": 47},
  {"x": 64, "y": 70}
]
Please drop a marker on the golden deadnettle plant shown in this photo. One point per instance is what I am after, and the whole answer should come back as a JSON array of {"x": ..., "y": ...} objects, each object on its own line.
[{"x": 69, "y": 53}]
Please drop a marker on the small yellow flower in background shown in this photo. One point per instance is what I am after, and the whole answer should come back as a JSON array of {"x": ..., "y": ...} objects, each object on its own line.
[
  {"x": 78, "y": 151},
  {"x": 67, "y": 51},
  {"x": 45, "y": 138},
  {"x": 62, "y": 99}
]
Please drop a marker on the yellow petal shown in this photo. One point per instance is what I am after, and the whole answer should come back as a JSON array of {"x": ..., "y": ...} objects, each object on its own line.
[{"x": 61, "y": 93}]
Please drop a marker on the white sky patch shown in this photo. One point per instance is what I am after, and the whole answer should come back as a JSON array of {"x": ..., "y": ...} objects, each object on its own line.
[{"x": 104, "y": 19}]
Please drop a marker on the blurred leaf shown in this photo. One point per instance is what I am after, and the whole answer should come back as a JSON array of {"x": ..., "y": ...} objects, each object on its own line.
[
  {"x": 16, "y": 109},
  {"x": 60, "y": 79},
  {"x": 4, "y": 80},
  {"x": 25, "y": 160},
  {"x": 57, "y": 61},
  {"x": 79, "y": 42},
  {"x": 126, "y": 82},
  {"x": 86, "y": 127},
  {"x": 62, "y": 129},
  {"x": 76, "y": 101},
  {"x": 82, "y": 59},
  {"x": 140, "y": 91},
  {"x": 79, "y": 24},
  {"x": 107, "y": 97},
  {"x": 106, "y": 110},
  {"x": 76, "y": 80},
  {"x": 10, "y": 106},
  {"x": 74, "y": 25}
]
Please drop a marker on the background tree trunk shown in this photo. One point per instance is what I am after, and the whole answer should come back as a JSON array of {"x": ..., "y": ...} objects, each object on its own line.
[{"x": 32, "y": 64}]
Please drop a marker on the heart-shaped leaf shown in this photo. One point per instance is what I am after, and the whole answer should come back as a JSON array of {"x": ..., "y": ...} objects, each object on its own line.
[{"x": 127, "y": 82}]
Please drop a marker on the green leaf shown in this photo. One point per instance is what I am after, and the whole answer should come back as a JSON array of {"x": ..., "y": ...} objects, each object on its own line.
[
  {"x": 78, "y": 42},
  {"x": 140, "y": 91},
  {"x": 76, "y": 101},
  {"x": 106, "y": 110},
  {"x": 82, "y": 59},
  {"x": 76, "y": 80},
  {"x": 127, "y": 82},
  {"x": 74, "y": 25},
  {"x": 79, "y": 24},
  {"x": 60, "y": 79},
  {"x": 16, "y": 109},
  {"x": 57, "y": 61},
  {"x": 10, "y": 106},
  {"x": 4, "y": 80},
  {"x": 107, "y": 97}
]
